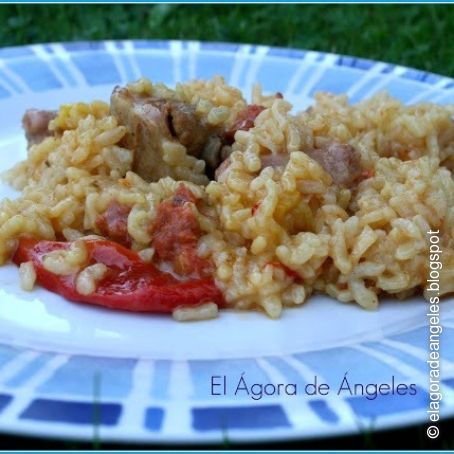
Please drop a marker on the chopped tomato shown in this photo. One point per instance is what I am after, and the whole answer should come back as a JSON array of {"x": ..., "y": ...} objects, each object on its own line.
[
  {"x": 255, "y": 207},
  {"x": 113, "y": 223},
  {"x": 366, "y": 174},
  {"x": 176, "y": 232},
  {"x": 244, "y": 121},
  {"x": 130, "y": 283}
]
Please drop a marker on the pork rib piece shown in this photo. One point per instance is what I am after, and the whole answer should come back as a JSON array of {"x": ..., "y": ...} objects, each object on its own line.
[
  {"x": 151, "y": 119},
  {"x": 36, "y": 124}
]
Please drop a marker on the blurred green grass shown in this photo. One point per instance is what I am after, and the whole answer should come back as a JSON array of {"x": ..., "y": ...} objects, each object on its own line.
[{"x": 421, "y": 35}]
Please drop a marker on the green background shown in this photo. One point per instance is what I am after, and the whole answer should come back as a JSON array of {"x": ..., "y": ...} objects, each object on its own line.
[{"x": 420, "y": 36}]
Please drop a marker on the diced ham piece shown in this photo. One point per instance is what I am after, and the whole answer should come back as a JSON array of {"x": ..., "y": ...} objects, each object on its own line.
[
  {"x": 341, "y": 161},
  {"x": 113, "y": 223},
  {"x": 36, "y": 124}
]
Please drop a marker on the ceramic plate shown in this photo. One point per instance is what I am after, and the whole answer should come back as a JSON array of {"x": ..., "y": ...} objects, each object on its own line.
[{"x": 75, "y": 371}]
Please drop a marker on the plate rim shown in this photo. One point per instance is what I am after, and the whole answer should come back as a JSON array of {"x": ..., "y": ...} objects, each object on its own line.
[{"x": 250, "y": 435}]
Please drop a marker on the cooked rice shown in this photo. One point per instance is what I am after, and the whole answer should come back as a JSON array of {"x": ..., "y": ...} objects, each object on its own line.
[
  {"x": 27, "y": 276},
  {"x": 261, "y": 227},
  {"x": 206, "y": 311},
  {"x": 89, "y": 277}
]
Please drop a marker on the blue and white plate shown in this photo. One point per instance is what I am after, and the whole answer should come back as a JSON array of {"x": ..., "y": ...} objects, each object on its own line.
[{"x": 75, "y": 371}]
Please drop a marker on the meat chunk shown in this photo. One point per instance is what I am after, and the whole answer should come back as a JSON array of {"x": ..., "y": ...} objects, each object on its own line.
[
  {"x": 176, "y": 232},
  {"x": 341, "y": 161},
  {"x": 36, "y": 124},
  {"x": 113, "y": 223},
  {"x": 151, "y": 119}
]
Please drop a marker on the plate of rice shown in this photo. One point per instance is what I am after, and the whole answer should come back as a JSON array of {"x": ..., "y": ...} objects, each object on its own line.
[{"x": 206, "y": 241}]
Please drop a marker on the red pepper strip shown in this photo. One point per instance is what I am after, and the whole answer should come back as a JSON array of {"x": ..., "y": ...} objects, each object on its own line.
[{"x": 130, "y": 283}]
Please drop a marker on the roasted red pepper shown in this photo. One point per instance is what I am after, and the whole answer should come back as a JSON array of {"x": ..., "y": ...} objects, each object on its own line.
[{"x": 130, "y": 283}]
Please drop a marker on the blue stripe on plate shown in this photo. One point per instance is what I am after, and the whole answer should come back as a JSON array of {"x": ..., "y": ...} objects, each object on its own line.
[
  {"x": 161, "y": 379},
  {"x": 387, "y": 69},
  {"x": 432, "y": 78},
  {"x": 401, "y": 89},
  {"x": 222, "y": 47},
  {"x": 99, "y": 70},
  {"x": 289, "y": 53},
  {"x": 362, "y": 63},
  {"x": 270, "y": 70},
  {"x": 157, "y": 69},
  {"x": 335, "y": 362},
  {"x": 11, "y": 82},
  {"x": 415, "y": 74},
  {"x": 151, "y": 44},
  {"x": 79, "y": 375},
  {"x": 364, "y": 91},
  {"x": 28, "y": 371},
  {"x": 72, "y": 412},
  {"x": 233, "y": 369},
  {"x": 211, "y": 65},
  {"x": 353, "y": 62},
  {"x": 290, "y": 374},
  {"x": 322, "y": 410},
  {"x": 252, "y": 417},
  {"x": 4, "y": 93},
  {"x": 5, "y": 399},
  {"x": 62, "y": 67},
  {"x": 36, "y": 73},
  {"x": 130, "y": 74},
  {"x": 336, "y": 80},
  {"x": 418, "y": 364},
  {"x": 7, "y": 354},
  {"x": 14, "y": 52},
  {"x": 84, "y": 45},
  {"x": 388, "y": 405},
  {"x": 420, "y": 338},
  {"x": 153, "y": 418},
  {"x": 447, "y": 98}
]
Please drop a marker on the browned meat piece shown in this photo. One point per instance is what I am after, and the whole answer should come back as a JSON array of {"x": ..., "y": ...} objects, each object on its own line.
[
  {"x": 113, "y": 223},
  {"x": 36, "y": 124},
  {"x": 244, "y": 121},
  {"x": 149, "y": 119},
  {"x": 341, "y": 161}
]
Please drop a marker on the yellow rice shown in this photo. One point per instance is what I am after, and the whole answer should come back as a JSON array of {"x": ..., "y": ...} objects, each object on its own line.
[{"x": 355, "y": 245}]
